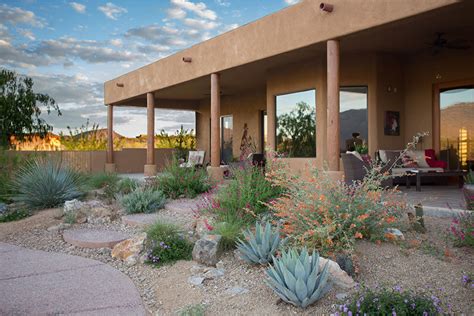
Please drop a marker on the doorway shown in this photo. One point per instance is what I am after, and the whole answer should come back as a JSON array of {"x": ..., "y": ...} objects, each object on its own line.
[{"x": 227, "y": 139}]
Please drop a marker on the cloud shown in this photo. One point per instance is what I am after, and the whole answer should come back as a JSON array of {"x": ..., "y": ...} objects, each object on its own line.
[
  {"x": 200, "y": 24},
  {"x": 223, "y": 3},
  {"x": 14, "y": 15},
  {"x": 200, "y": 9},
  {"x": 78, "y": 7},
  {"x": 27, "y": 33},
  {"x": 230, "y": 27},
  {"x": 291, "y": 2},
  {"x": 176, "y": 13},
  {"x": 157, "y": 34},
  {"x": 117, "y": 42},
  {"x": 13, "y": 56},
  {"x": 112, "y": 11}
]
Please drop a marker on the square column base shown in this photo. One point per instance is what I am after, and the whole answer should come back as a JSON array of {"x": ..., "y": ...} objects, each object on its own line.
[
  {"x": 216, "y": 173},
  {"x": 110, "y": 168},
  {"x": 150, "y": 170},
  {"x": 335, "y": 175}
]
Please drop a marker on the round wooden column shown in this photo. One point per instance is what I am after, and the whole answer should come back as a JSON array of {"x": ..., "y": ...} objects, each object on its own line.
[
  {"x": 150, "y": 167},
  {"x": 214, "y": 170},
  {"x": 109, "y": 164},
  {"x": 333, "y": 105}
]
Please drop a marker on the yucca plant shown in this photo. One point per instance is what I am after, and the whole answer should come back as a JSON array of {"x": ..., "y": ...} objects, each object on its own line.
[
  {"x": 296, "y": 278},
  {"x": 142, "y": 200},
  {"x": 46, "y": 183},
  {"x": 260, "y": 247}
]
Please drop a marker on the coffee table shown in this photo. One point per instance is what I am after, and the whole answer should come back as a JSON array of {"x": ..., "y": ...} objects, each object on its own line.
[{"x": 426, "y": 174}]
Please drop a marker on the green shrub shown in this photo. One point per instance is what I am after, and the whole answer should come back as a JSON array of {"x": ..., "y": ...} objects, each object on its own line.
[
  {"x": 127, "y": 185},
  {"x": 46, "y": 183},
  {"x": 142, "y": 200},
  {"x": 8, "y": 165},
  {"x": 296, "y": 277},
  {"x": 230, "y": 233},
  {"x": 178, "y": 182},
  {"x": 192, "y": 310},
  {"x": 101, "y": 180},
  {"x": 14, "y": 215},
  {"x": 244, "y": 198},
  {"x": 394, "y": 301},
  {"x": 259, "y": 248},
  {"x": 167, "y": 244},
  {"x": 462, "y": 230}
]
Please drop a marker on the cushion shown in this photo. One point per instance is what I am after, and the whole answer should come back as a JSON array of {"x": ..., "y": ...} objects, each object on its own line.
[
  {"x": 392, "y": 156},
  {"x": 418, "y": 156},
  {"x": 432, "y": 161},
  {"x": 383, "y": 155},
  {"x": 409, "y": 162}
]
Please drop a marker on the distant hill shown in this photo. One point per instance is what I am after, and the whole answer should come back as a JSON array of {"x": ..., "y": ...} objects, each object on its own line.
[
  {"x": 353, "y": 121},
  {"x": 456, "y": 116}
]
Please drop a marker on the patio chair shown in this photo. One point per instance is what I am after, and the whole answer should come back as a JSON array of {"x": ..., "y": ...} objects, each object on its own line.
[
  {"x": 355, "y": 169},
  {"x": 195, "y": 159}
]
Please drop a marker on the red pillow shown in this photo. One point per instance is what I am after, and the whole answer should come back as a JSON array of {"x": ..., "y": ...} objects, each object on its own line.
[{"x": 431, "y": 160}]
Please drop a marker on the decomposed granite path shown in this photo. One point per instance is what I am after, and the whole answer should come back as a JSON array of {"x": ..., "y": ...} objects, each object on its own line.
[{"x": 35, "y": 282}]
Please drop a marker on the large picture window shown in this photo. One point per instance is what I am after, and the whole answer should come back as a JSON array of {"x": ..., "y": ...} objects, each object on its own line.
[
  {"x": 296, "y": 124},
  {"x": 353, "y": 118}
]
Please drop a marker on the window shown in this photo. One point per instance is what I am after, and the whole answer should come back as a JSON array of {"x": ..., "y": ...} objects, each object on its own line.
[
  {"x": 457, "y": 123},
  {"x": 226, "y": 139},
  {"x": 263, "y": 131},
  {"x": 353, "y": 117},
  {"x": 296, "y": 124}
]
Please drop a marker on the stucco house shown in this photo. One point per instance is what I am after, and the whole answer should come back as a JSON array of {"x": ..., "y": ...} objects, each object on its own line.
[{"x": 386, "y": 69}]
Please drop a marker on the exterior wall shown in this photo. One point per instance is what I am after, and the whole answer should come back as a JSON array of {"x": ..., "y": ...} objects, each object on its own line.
[
  {"x": 126, "y": 160},
  {"x": 420, "y": 76},
  {"x": 244, "y": 108},
  {"x": 266, "y": 37}
]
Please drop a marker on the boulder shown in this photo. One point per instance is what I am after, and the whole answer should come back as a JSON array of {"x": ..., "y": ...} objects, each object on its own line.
[
  {"x": 91, "y": 211},
  {"x": 337, "y": 276},
  {"x": 207, "y": 250},
  {"x": 73, "y": 206},
  {"x": 129, "y": 250},
  {"x": 394, "y": 234}
]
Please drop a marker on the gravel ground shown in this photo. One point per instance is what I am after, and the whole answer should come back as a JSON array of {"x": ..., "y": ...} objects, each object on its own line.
[{"x": 166, "y": 289}]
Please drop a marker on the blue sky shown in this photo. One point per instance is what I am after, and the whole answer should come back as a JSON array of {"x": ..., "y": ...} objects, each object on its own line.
[{"x": 71, "y": 47}]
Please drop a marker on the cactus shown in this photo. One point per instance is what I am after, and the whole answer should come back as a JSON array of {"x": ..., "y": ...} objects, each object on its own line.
[
  {"x": 296, "y": 278},
  {"x": 260, "y": 247}
]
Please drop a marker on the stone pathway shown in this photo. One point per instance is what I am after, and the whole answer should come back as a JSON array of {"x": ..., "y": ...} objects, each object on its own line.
[
  {"x": 35, "y": 282},
  {"x": 89, "y": 238}
]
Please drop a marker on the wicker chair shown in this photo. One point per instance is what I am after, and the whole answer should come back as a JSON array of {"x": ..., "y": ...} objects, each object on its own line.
[{"x": 356, "y": 169}]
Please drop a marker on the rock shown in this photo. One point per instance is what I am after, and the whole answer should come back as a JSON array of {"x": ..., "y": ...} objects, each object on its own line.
[
  {"x": 59, "y": 227},
  {"x": 129, "y": 250},
  {"x": 336, "y": 275},
  {"x": 207, "y": 250},
  {"x": 73, "y": 206},
  {"x": 100, "y": 214},
  {"x": 58, "y": 213},
  {"x": 3, "y": 208},
  {"x": 198, "y": 269},
  {"x": 341, "y": 296},
  {"x": 214, "y": 273},
  {"x": 220, "y": 265},
  {"x": 237, "y": 291},
  {"x": 196, "y": 280},
  {"x": 394, "y": 234}
]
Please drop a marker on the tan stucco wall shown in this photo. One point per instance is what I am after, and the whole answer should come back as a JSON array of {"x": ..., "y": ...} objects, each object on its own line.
[
  {"x": 244, "y": 108},
  {"x": 266, "y": 37},
  {"x": 420, "y": 76}
]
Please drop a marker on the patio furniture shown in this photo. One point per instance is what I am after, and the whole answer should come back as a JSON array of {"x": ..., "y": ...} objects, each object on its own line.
[
  {"x": 433, "y": 174},
  {"x": 355, "y": 169},
  {"x": 195, "y": 159}
]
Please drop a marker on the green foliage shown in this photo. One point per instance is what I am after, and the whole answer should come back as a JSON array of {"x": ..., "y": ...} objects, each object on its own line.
[
  {"x": 362, "y": 149},
  {"x": 143, "y": 200},
  {"x": 297, "y": 279},
  {"x": 9, "y": 163},
  {"x": 127, "y": 185},
  {"x": 46, "y": 183},
  {"x": 20, "y": 108},
  {"x": 259, "y": 248},
  {"x": 101, "y": 180},
  {"x": 177, "y": 182},
  {"x": 166, "y": 244},
  {"x": 296, "y": 131},
  {"x": 192, "y": 310},
  {"x": 87, "y": 138},
  {"x": 14, "y": 215},
  {"x": 230, "y": 233},
  {"x": 469, "y": 178},
  {"x": 394, "y": 301},
  {"x": 182, "y": 141},
  {"x": 462, "y": 230},
  {"x": 244, "y": 198},
  {"x": 70, "y": 218}
]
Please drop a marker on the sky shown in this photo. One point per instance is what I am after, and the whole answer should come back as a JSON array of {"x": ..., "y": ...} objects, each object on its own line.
[{"x": 70, "y": 48}]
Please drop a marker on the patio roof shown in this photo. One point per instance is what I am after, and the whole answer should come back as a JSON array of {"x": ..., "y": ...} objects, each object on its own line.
[{"x": 243, "y": 56}]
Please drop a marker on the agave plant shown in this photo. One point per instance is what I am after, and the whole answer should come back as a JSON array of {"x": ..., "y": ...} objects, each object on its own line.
[
  {"x": 296, "y": 278},
  {"x": 142, "y": 200},
  {"x": 260, "y": 247},
  {"x": 46, "y": 183}
]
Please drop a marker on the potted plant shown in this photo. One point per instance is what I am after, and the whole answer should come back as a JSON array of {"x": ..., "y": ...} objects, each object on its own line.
[{"x": 468, "y": 190}]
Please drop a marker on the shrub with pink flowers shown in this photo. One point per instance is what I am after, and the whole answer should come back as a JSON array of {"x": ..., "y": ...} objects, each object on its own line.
[{"x": 462, "y": 230}]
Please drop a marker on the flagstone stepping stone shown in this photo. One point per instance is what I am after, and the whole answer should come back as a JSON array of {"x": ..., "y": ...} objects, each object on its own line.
[
  {"x": 182, "y": 205},
  {"x": 140, "y": 219},
  {"x": 89, "y": 238}
]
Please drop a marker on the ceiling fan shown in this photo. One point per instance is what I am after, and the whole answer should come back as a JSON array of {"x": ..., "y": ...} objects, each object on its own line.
[{"x": 441, "y": 43}]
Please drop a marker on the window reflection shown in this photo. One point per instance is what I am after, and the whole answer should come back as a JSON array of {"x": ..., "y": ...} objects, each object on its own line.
[{"x": 353, "y": 118}]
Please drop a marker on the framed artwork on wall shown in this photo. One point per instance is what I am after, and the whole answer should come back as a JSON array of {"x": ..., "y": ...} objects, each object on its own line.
[{"x": 392, "y": 123}]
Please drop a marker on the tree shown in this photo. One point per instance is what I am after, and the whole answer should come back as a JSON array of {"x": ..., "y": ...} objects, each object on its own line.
[
  {"x": 21, "y": 107},
  {"x": 296, "y": 133}
]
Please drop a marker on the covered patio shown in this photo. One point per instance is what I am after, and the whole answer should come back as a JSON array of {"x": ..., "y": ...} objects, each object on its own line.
[{"x": 399, "y": 53}]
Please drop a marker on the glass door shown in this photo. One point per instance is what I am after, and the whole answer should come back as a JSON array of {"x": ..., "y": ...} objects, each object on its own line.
[
  {"x": 226, "y": 139},
  {"x": 457, "y": 123}
]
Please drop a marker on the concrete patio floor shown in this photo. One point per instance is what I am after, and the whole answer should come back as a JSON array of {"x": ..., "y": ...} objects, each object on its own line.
[
  {"x": 43, "y": 283},
  {"x": 436, "y": 196}
]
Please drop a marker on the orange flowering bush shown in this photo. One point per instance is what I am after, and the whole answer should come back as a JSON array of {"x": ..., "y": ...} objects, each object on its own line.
[{"x": 330, "y": 215}]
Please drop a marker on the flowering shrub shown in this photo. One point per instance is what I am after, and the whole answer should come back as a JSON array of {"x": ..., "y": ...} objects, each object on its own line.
[
  {"x": 468, "y": 280},
  {"x": 394, "y": 301},
  {"x": 167, "y": 244},
  {"x": 329, "y": 215},
  {"x": 462, "y": 230}
]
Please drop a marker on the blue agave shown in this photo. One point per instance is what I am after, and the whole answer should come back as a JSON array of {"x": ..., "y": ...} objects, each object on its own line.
[
  {"x": 260, "y": 247},
  {"x": 296, "y": 278}
]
